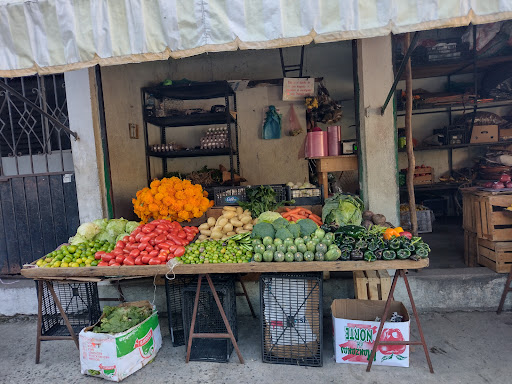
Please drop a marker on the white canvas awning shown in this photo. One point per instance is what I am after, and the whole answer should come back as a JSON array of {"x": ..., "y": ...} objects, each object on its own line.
[{"x": 48, "y": 36}]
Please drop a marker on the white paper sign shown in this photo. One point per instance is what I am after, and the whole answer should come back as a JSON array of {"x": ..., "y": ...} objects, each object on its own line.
[{"x": 297, "y": 89}]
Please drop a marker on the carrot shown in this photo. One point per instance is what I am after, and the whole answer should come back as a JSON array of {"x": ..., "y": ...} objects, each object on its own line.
[
  {"x": 296, "y": 217},
  {"x": 316, "y": 220},
  {"x": 286, "y": 214},
  {"x": 307, "y": 211},
  {"x": 287, "y": 209},
  {"x": 294, "y": 210},
  {"x": 313, "y": 216}
]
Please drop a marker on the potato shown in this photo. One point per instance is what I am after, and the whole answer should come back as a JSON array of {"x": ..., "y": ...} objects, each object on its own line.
[
  {"x": 217, "y": 235},
  {"x": 255, "y": 221},
  {"x": 231, "y": 233},
  {"x": 239, "y": 230},
  {"x": 205, "y": 232},
  {"x": 247, "y": 212},
  {"x": 244, "y": 231},
  {"x": 230, "y": 209},
  {"x": 227, "y": 228},
  {"x": 224, "y": 237},
  {"x": 229, "y": 215},
  {"x": 239, "y": 210},
  {"x": 211, "y": 221},
  {"x": 217, "y": 228},
  {"x": 202, "y": 237},
  {"x": 246, "y": 219},
  {"x": 204, "y": 226},
  {"x": 248, "y": 227},
  {"x": 236, "y": 223},
  {"x": 221, "y": 222}
]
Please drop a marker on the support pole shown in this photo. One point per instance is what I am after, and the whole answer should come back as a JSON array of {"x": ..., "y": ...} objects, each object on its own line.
[{"x": 411, "y": 160}]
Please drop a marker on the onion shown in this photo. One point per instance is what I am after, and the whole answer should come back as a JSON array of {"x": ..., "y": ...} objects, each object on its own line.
[
  {"x": 488, "y": 184},
  {"x": 504, "y": 178},
  {"x": 498, "y": 185},
  {"x": 508, "y": 184}
]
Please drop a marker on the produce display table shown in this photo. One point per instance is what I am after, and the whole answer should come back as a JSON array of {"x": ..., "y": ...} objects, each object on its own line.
[
  {"x": 333, "y": 164},
  {"x": 47, "y": 275}
]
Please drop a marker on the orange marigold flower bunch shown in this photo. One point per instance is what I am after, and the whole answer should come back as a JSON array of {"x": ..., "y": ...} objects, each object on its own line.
[{"x": 172, "y": 199}]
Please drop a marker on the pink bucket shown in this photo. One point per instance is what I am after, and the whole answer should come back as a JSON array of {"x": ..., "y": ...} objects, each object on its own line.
[
  {"x": 316, "y": 144},
  {"x": 334, "y": 139}
]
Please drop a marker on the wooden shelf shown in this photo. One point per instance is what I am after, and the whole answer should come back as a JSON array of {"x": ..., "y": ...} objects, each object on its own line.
[
  {"x": 192, "y": 91},
  {"x": 455, "y": 146},
  {"x": 456, "y": 107}
]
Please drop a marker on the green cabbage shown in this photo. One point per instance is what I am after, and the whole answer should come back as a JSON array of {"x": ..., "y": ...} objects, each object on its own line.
[
  {"x": 102, "y": 223},
  {"x": 121, "y": 236},
  {"x": 268, "y": 217},
  {"x": 116, "y": 227},
  {"x": 77, "y": 239},
  {"x": 106, "y": 236},
  {"x": 88, "y": 230},
  {"x": 343, "y": 210},
  {"x": 130, "y": 226}
]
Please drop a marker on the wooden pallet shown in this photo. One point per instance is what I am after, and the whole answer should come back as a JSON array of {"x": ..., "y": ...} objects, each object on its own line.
[
  {"x": 470, "y": 249},
  {"x": 372, "y": 285},
  {"x": 496, "y": 255},
  {"x": 485, "y": 214}
]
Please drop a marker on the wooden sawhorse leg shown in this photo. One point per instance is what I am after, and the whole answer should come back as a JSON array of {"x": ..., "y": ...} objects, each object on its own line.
[
  {"x": 244, "y": 293},
  {"x": 506, "y": 290},
  {"x": 192, "y": 335},
  {"x": 401, "y": 273},
  {"x": 39, "y": 338}
]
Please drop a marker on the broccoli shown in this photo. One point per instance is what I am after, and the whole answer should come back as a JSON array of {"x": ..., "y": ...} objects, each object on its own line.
[
  {"x": 260, "y": 230},
  {"x": 307, "y": 227},
  {"x": 280, "y": 223},
  {"x": 294, "y": 229},
  {"x": 283, "y": 234}
]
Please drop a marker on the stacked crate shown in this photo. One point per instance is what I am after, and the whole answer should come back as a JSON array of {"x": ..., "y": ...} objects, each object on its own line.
[{"x": 488, "y": 229}]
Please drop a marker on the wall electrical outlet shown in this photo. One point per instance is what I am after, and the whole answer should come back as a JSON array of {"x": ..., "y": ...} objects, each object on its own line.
[{"x": 134, "y": 131}]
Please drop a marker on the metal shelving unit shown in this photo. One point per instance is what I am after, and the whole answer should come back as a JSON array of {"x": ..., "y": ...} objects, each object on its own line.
[{"x": 192, "y": 91}]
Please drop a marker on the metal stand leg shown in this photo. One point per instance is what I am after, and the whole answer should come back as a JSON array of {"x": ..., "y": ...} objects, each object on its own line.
[
  {"x": 506, "y": 290},
  {"x": 246, "y": 295},
  {"x": 63, "y": 314},
  {"x": 228, "y": 335},
  {"x": 39, "y": 319},
  {"x": 399, "y": 272}
]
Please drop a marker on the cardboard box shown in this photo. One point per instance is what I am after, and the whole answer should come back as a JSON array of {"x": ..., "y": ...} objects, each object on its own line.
[
  {"x": 506, "y": 134},
  {"x": 484, "y": 134},
  {"x": 355, "y": 329},
  {"x": 115, "y": 357}
]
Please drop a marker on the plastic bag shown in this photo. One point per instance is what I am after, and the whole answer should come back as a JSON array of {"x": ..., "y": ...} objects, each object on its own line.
[
  {"x": 272, "y": 125},
  {"x": 481, "y": 118},
  {"x": 294, "y": 127}
]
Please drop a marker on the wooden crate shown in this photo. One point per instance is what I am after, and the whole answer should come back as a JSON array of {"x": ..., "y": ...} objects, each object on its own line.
[
  {"x": 372, "y": 285},
  {"x": 426, "y": 178},
  {"x": 496, "y": 255},
  {"x": 470, "y": 249},
  {"x": 491, "y": 219},
  {"x": 469, "y": 210}
]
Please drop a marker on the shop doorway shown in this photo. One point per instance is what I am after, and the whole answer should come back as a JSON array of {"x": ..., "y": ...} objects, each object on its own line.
[{"x": 38, "y": 201}]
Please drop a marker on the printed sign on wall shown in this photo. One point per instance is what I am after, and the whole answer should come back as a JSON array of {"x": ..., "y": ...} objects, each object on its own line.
[{"x": 298, "y": 89}]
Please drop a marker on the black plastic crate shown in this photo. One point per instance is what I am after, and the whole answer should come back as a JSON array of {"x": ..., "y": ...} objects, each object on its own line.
[
  {"x": 307, "y": 196},
  {"x": 291, "y": 318},
  {"x": 80, "y": 302},
  {"x": 174, "y": 292},
  {"x": 209, "y": 319},
  {"x": 233, "y": 195}
]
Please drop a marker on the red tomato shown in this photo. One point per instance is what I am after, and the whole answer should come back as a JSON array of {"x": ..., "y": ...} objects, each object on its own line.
[
  {"x": 160, "y": 238},
  {"x": 107, "y": 257},
  {"x": 128, "y": 247},
  {"x": 131, "y": 239},
  {"x": 154, "y": 261},
  {"x": 115, "y": 265},
  {"x": 180, "y": 251},
  {"x": 117, "y": 252},
  {"x": 152, "y": 235},
  {"x": 145, "y": 239},
  {"x": 143, "y": 253},
  {"x": 153, "y": 253},
  {"x": 126, "y": 238},
  {"x": 391, "y": 334},
  {"x": 182, "y": 234},
  {"x": 113, "y": 261},
  {"x": 152, "y": 242},
  {"x": 120, "y": 244},
  {"x": 170, "y": 256},
  {"x": 190, "y": 237},
  {"x": 119, "y": 259},
  {"x": 145, "y": 259},
  {"x": 142, "y": 246},
  {"x": 158, "y": 231},
  {"x": 138, "y": 260},
  {"x": 164, "y": 245},
  {"x": 148, "y": 228},
  {"x": 134, "y": 253},
  {"x": 175, "y": 239},
  {"x": 162, "y": 258},
  {"x": 129, "y": 261},
  {"x": 138, "y": 236},
  {"x": 162, "y": 227},
  {"x": 102, "y": 264},
  {"x": 99, "y": 254},
  {"x": 136, "y": 231},
  {"x": 126, "y": 251},
  {"x": 149, "y": 248},
  {"x": 172, "y": 248}
]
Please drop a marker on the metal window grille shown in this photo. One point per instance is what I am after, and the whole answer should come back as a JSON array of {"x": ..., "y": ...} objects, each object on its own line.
[{"x": 291, "y": 319}]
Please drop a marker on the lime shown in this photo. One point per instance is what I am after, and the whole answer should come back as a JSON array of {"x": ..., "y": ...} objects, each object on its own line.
[
  {"x": 75, "y": 265},
  {"x": 72, "y": 248},
  {"x": 64, "y": 265}
]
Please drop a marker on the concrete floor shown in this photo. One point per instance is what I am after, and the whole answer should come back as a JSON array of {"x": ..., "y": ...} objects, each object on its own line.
[
  {"x": 446, "y": 242},
  {"x": 466, "y": 347}
]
